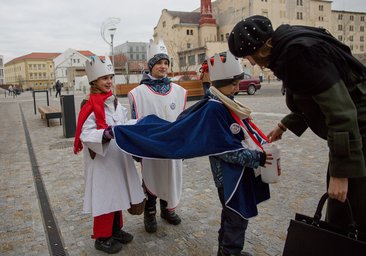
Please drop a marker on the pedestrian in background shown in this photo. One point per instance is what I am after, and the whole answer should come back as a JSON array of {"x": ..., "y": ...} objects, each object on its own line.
[
  {"x": 112, "y": 183},
  {"x": 325, "y": 91},
  {"x": 157, "y": 95},
  {"x": 58, "y": 88}
]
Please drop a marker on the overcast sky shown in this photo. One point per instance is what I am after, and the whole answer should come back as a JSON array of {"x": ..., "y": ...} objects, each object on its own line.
[{"x": 54, "y": 26}]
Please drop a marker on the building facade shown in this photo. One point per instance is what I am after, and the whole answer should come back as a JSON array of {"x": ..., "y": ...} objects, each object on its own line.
[
  {"x": 34, "y": 70},
  {"x": 70, "y": 64},
  {"x": 2, "y": 80},
  {"x": 134, "y": 51},
  {"x": 191, "y": 36}
]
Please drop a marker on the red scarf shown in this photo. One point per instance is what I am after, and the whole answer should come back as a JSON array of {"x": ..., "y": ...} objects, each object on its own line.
[{"x": 94, "y": 104}]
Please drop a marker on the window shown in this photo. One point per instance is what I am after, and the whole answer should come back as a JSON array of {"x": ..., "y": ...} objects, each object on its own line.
[
  {"x": 164, "y": 24},
  {"x": 222, "y": 37},
  {"x": 299, "y": 15},
  {"x": 190, "y": 32},
  {"x": 143, "y": 56},
  {"x": 340, "y": 16},
  {"x": 340, "y": 38},
  {"x": 340, "y": 27},
  {"x": 351, "y": 28},
  {"x": 362, "y": 38},
  {"x": 188, "y": 45},
  {"x": 321, "y": 18},
  {"x": 201, "y": 58},
  {"x": 191, "y": 60},
  {"x": 137, "y": 56},
  {"x": 362, "y": 18},
  {"x": 362, "y": 29},
  {"x": 226, "y": 36},
  {"x": 131, "y": 49},
  {"x": 351, "y": 17},
  {"x": 182, "y": 61},
  {"x": 361, "y": 48},
  {"x": 299, "y": 2},
  {"x": 351, "y": 38},
  {"x": 321, "y": 8}
]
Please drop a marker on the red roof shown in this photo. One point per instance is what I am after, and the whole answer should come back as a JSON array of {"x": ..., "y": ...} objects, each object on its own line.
[
  {"x": 87, "y": 53},
  {"x": 34, "y": 56}
]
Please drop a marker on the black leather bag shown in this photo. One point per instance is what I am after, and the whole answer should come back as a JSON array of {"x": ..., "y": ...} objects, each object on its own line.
[{"x": 310, "y": 236}]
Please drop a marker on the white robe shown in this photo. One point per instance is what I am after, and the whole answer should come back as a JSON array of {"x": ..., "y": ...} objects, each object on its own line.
[
  {"x": 111, "y": 178},
  {"x": 162, "y": 178}
]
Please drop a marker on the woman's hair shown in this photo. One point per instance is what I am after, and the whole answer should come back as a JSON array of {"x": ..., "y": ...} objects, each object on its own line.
[{"x": 262, "y": 55}]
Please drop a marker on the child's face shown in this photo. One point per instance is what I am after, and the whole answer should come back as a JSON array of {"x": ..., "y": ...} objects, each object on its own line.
[
  {"x": 230, "y": 89},
  {"x": 104, "y": 83},
  {"x": 160, "y": 69}
]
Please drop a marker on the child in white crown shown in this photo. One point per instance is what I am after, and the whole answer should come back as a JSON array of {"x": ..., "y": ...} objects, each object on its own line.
[
  {"x": 157, "y": 95},
  {"x": 225, "y": 72},
  {"x": 112, "y": 183}
]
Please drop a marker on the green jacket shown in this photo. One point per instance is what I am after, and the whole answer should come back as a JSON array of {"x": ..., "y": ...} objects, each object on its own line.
[{"x": 339, "y": 116}]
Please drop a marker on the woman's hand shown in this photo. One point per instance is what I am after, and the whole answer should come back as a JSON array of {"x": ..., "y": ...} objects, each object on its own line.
[
  {"x": 338, "y": 188},
  {"x": 276, "y": 133}
]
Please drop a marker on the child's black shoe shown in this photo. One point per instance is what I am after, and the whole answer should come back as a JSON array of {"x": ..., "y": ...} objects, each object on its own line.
[
  {"x": 108, "y": 245},
  {"x": 122, "y": 237}
]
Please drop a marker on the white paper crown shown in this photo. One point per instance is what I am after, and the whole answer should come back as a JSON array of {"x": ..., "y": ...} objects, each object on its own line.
[
  {"x": 96, "y": 68},
  {"x": 154, "y": 49},
  {"x": 224, "y": 70}
]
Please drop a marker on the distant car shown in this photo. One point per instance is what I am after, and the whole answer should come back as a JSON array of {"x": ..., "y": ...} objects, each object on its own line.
[
  {"x": 180, "y": 78},
  {"x": 249, "y": 85}
]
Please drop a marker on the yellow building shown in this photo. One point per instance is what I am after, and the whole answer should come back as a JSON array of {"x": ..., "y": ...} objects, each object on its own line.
[
  {"x": 34, "y": 70},
  {"x": 191, "y": 36}
]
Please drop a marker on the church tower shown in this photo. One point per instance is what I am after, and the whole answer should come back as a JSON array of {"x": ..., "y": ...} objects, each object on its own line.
[
  {"x": 206, "y": 13},
  {"x": 207, "y": 24}
]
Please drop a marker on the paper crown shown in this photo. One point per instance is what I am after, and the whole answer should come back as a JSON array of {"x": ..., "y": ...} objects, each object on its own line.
[
  {"x": 96, "y": 68},
  {"x": 220, "y": 70},
  {"x": 154, "y": 49}
]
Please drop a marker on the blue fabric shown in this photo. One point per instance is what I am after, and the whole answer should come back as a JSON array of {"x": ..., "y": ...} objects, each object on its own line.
[{"x": 202, "y": 131}]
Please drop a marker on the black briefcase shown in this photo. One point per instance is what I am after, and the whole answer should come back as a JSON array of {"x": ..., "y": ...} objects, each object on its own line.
[{"x": 310, "y": 236}]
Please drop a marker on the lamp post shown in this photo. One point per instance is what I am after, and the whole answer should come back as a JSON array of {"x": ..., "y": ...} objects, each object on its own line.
[
  {"x": 111, "y": 32},
  {"x": 110, "y": 26}
]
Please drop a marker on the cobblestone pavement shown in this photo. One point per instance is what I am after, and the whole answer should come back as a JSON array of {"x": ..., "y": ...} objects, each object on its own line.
[{"x": 22, "y": 229}]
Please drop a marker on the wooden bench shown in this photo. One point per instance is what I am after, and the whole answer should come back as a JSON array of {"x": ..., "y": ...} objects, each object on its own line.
[
  {"x": 194, "y": 88},
  {"x": 49, "y": 112}
]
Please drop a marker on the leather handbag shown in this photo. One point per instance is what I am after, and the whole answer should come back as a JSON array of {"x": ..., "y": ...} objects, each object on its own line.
[
  {"x": 137, "y": 209},
  {"x": 310, "y": 236}
]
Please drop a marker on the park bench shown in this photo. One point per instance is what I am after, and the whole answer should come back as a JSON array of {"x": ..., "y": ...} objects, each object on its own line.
[{"x": 49, "y": 112}]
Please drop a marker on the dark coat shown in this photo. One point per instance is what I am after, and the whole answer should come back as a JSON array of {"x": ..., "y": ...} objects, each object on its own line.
[{"x": 326, "y": 91}]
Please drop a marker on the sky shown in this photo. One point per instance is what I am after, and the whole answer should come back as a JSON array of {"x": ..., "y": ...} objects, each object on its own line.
[{"x": 28, "y": 26}]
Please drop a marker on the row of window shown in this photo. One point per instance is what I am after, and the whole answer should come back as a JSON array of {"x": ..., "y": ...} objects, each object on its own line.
[
  {"x": 137, "y": 56},
  {"x": 137, "y": 49},
  {"x": 350, "y": 38},
  {"x": 351, "y": 28},
  {"x": 191, "y": 59},
  {"x": 37, "y": 66},
  {"x": 351, "y": 17}
]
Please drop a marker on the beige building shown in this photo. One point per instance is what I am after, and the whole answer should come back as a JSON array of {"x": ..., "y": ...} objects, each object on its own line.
[
  {"x": 191, "y": 36},
  {"x": 35, "y": 70}
]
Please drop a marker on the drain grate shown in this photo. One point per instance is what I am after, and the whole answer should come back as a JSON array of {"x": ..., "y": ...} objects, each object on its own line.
[
  {"x": 62, "y": 145},
  {"x": 54, "y": 239}
]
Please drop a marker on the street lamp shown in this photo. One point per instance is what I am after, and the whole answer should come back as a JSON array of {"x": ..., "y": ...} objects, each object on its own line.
[
  {"x": 110, "y": 26},
  {"x": 112, "y": 31}
]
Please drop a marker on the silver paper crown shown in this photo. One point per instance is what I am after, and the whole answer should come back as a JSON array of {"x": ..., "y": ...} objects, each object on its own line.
[
  {"x": 96, "y": 68},
  {"x": 155, "y": 48},
  {"x": 224, "y": 70}
]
